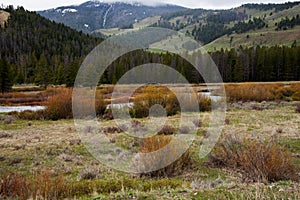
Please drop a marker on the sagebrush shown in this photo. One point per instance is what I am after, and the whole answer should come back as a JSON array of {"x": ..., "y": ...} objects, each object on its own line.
[{"x": 258, "y": 161}]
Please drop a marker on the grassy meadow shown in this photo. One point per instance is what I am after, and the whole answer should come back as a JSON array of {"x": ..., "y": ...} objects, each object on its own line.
[{"x": 257, "y": 155}]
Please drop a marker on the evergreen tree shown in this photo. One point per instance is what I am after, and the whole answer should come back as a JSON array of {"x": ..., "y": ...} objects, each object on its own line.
[{"x": 5, "y": 76}]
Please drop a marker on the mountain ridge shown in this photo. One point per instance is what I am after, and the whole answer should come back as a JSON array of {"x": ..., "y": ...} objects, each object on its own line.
[{"x": 94, "y": 15}]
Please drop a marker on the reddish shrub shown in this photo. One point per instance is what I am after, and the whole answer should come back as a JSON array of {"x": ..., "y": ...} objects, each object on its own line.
[
  {"x": 42, "y": 185},
  {"x": 59, "y": 106}
]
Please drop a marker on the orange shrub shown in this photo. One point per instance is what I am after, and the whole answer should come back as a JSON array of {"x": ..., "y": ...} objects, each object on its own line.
[
  {"x": 262, "y": 91},
  {"x": 59, "y": 106},
  {"x": 250, "y": 92},
  {"x": 148, "y": 96},
  {"x": 156, "y": 143}
]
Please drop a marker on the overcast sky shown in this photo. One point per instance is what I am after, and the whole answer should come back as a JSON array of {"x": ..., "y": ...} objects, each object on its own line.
[{"x": 211, "y": 4}]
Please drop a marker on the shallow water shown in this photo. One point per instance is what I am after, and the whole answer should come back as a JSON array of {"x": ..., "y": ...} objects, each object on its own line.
[
  {"x": 214, "y": 98},
  {"x": 119, "y": 105},
  {"x": 7, "y": 109}
]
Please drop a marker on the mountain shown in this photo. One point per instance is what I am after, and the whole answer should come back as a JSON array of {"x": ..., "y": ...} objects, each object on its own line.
[
  {"x": 247, "y": 25},
  {"x": 41, "y": 51},
  {"x": 94, "y": 15}
]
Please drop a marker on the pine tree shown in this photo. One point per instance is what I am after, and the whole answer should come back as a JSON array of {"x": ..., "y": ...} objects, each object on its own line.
[{"x": 5, "y": 76}]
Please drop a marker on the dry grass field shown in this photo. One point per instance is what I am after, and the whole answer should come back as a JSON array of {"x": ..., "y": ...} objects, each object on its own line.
[{"x": 45, "y": 159}]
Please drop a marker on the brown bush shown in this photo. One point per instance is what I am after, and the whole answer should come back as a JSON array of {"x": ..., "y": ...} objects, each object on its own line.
[
  {"x": 14, "y": 186},
  {"x": 166, "y": 130},
  {"x": 108, "y": 115},
  {"x": 89, "y": 174},
  {"x": 100, "y": 105},
  {"x": 155, "y": 143},
  {"x": 197, "y": 123},
  {"x": 258, "y": 161},
  {"x": 184, "y": 130},
  {"x": 28, "y": 96},
  {"x": 59, "y": 106},
  {"x": 296, "y": 96},
  {"x": 46, "y": 185},
  {"x": 204, "y": 103},
  {"x": 41, "y": 185},
  {"x": 227, "y": 121},
  {"x": 297, "y": 108},
  {"x": 251, "y": 92},
  {"x": 8, "y": 120},
  {"x": 112, "y": 129},
  {"x": 5, "y": 135}
]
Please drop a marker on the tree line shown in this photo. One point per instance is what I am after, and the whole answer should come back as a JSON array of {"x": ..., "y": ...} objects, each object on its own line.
[
  {"x": 277, "y": 63},
  {"x": 270, "y": 6}
]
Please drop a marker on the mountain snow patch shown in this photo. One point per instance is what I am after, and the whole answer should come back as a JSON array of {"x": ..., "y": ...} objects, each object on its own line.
[{"x": 69, "y": 10}]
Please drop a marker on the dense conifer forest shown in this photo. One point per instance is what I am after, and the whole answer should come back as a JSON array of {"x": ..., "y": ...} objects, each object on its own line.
[
  {"x": 36, "y": 50},
  {"x": 41, "y": 51}
]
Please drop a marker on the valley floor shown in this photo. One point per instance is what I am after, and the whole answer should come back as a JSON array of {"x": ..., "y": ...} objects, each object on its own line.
[{"x": 27, "y": 147}]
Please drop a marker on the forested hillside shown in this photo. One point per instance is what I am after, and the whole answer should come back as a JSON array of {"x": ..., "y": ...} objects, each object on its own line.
[
  {"x": 36, "y": 50},
  {"x": 40, "y": 51}
]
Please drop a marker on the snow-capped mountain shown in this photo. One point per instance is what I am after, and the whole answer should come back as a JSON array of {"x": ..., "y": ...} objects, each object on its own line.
[{"x": 94, "y": 15}]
